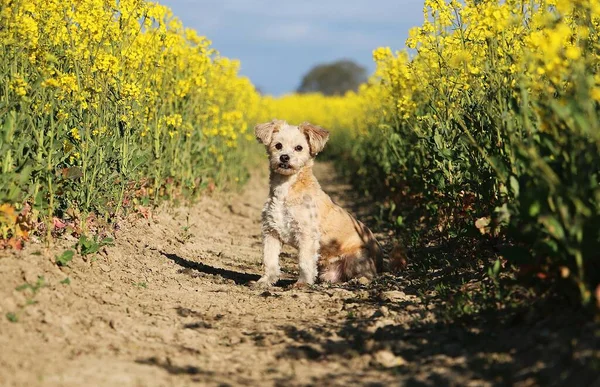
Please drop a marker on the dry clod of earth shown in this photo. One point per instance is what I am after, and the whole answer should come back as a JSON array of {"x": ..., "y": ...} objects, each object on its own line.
[
  {"x": 169, "y": 305},
  {"x": 387, "y": 359},
  {"x": 393, "y": 296}
]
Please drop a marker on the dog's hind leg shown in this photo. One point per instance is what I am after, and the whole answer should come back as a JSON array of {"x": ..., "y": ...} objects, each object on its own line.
[
  {"x": 333, "y": 272},
  {"x": 359, "y": 264}
]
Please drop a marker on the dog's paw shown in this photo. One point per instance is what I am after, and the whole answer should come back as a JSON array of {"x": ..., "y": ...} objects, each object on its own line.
[
  {"x": 299, "y": 285},
  {"x": 264, "y": 282}
]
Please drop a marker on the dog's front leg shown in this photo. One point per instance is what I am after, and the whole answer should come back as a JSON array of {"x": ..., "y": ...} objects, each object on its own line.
[{"x": 271, "y": 250}]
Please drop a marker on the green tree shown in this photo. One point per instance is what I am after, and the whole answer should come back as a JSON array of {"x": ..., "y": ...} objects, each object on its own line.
[{"x": 333, "y": 78}]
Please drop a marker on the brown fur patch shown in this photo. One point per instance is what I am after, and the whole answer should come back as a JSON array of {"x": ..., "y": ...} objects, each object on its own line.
[
  {"x": 346, "y": 244},
  {"x": 303, "y": 186},
  {"x": 317, "y": 137},
  {"x": 264, "y": 132},
  {"x": 398, "y": 259}
]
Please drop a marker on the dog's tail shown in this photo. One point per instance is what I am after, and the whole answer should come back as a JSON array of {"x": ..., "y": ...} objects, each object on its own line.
[{"x": 397, "y": 259}]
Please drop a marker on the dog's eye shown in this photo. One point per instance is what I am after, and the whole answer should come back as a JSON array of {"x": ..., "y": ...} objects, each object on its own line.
[
  {"x": 298, "y": 148},
  {"x": 278, "y": 146}
]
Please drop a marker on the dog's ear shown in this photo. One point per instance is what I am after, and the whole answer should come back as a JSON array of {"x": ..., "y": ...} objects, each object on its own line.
[
  {"x": 317, "y": 137},
  {"x": 264, "y": 132}
]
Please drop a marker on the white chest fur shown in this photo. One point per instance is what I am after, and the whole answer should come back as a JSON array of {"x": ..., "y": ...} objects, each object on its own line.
[{"x": 277, "y": 215}]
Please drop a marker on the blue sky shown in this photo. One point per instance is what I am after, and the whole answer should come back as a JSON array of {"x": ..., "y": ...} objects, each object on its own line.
[{"x": 277, "y": 42}]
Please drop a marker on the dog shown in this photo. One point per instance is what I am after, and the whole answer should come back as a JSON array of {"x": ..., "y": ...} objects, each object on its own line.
[{"x": 332, "y": 245}]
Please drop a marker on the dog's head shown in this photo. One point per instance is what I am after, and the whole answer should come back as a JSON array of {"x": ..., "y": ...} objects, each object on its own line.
[{"x": 290, "y": 147}]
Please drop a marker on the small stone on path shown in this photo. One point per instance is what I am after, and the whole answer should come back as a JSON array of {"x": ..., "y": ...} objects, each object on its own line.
[{"x": 393, "y": 296}]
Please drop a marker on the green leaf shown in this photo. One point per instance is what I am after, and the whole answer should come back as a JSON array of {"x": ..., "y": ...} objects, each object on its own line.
[
  {"x": 534, "y": 209},
  {"x": 514, "y": 185},
  {"x": 87, "y": 246},
  {"x": 20, "y": 288},
  {"x": 107, "y": 242},
  {"x": 399, "y": 220},
  {"x": 446, "y": 153},
  {"x": 553, "y": 227},
  {"x": 90, "y": 249},
  {"x": 65, "y": 258},
  {"x": 496, "y": 268},
  {"x": 438, "y": 140},
  {"x": 12, "y": 317},
  {"x": 499, "y": 165}
]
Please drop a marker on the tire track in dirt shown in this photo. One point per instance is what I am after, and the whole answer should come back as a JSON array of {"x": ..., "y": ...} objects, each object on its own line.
[{"x": 166, "y": 306}]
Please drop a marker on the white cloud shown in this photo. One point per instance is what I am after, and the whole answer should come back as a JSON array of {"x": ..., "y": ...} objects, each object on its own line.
[
  {"x": 285, "y": 32},
  {"x": 307, "y": 34}
]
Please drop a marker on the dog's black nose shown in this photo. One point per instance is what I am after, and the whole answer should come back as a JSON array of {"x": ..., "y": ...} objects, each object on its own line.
[{"x": 284, "y": 158}]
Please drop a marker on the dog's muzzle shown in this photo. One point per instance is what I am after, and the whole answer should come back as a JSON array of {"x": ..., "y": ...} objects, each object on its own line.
[{"x": 285, "y": 159}]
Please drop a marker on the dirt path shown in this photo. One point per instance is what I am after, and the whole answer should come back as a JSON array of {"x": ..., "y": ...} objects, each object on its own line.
[{"x": 165, "y": 306}]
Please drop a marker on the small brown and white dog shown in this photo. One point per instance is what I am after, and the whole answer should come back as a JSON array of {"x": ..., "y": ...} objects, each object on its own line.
[{"x": 332, "y": 245}]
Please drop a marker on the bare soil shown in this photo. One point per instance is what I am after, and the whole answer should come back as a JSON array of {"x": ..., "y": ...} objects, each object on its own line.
[{"x": 169, "y": 304}]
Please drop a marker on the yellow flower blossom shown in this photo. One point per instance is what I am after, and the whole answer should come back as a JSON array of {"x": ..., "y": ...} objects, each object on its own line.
[
  {"x": 75, "y": 134},
  {"x": 19, "y": 85}
]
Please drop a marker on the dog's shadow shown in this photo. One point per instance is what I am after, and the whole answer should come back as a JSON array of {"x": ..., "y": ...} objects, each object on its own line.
[{"x": 237, "y": 277}]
